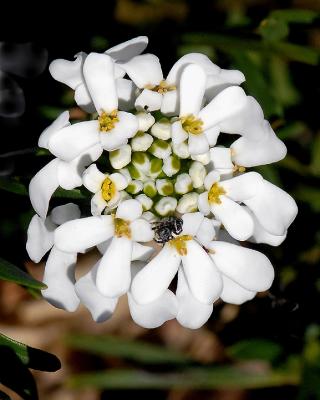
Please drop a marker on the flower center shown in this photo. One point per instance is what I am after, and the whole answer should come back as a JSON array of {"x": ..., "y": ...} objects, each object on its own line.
[
  {"x": 214, "y": 193},
  {"x": 107, "y": 121},
  {"x": 122, "y": 228},
  {"x": 108, "y": 189},
  {"x": 191, "y": 124},
  {"x": 162, "y": 88},
  {"x": 179, "y": 243}
]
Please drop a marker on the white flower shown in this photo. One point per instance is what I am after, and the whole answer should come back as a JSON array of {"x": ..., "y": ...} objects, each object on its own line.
[
  {"x": 71, "y": 73},
  {"x": 106, "y": 188},
  {"x": 112, "y": 129},
  {"x": 121, "y": 157},
  {"x": 58, "y": 172},
  {"x": 201, "y": 126},
  {"x": 222, "y": 199},
  {"x": 59, "y": 268},
  {"x": 203, "y": 278},
  {"x": 125, "y": 228},
  {"x": 159, "y": 93},
  {"x": 244, "y": 271}
]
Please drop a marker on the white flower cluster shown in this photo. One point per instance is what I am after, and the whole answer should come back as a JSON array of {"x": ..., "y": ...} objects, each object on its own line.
[{"x": 147, "y": 157}]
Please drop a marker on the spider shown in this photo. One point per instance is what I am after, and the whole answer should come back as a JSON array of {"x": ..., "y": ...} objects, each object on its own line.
[{"x": 165, "y": 229}]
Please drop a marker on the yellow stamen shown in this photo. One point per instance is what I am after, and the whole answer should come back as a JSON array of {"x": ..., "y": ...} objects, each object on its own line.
[
  {"x": 214, "y": 193},
  {"x": 162, "y": 88},
  {"x": 191, "y": 124},
  {"x": 180, "y": 245},
  {"x": 122, "y": 228},
  {"x": 107, "y": 121},
  {"x": 108, "y": 189},
  {"x": 239, "y": 168}
]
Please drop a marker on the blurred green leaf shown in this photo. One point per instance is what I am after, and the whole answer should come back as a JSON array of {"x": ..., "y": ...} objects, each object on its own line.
[
  {"x": 273, "y": 29},
  {"x": 295, "y": 15},
  {"x": 69, "y": 194},
  {"x": 29, "y": 356},
  {"x": 270, "y": 173},
  {"x": 292, "y": 164},
  {"x": 50, "y": 112},
  {"x": 13, "y": 186},
  {"x": 11, "y": 273},
  {"x": 125, "y": 348},
  {"x": 315, "y": 156},
  {"x": 291, "y": 130},
  {"x": 310, "y": 195},
  {"x": 224, "y": 377},
  {"x": 255, "y": 349}
]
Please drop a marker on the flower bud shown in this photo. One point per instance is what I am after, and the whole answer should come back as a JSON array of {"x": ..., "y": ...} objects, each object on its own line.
[
  {"x": 134, "y": 187},
  {"x": 149, "y": 188},
  {"x": 188, "y": 203},
  {"x": 141, "y": 142},
  {"x": 171, "y": 165},
  {"x": 141, "y": 161},
  {"x": 155, "y": 167},
  {"x": 166, "y": 206},
  {"x": 162, "y": 129},
  {"x": 181, "y": 150},
  {"x": 145, "y": 201},
  {"x": 203, "y": 158},
  {"x": 164, "y": 187},
  {"x": 160, "y": 149},
  {"x": 149, "y": 216},
  {"x": 121, "y": 157},
  {"x": 197, "y": 173},
  {"x": 135, "y": 173},
  {"x": 145, "y": 121},
  {"x": 183, "y": 184}
]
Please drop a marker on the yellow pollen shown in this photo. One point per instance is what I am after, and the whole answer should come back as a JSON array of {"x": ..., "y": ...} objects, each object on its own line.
[
  {"x": 162, "y": 88},
  {"x": 122, "y": 228},
  {"x": 191, "y": 124},
  {"x": 239, "y": 168},
  {"x": 180, "y": 245},
  {"x": 107, "y": 121},
  {"x": 214, "y": 194},
  {"x": 108, "y": 189}
]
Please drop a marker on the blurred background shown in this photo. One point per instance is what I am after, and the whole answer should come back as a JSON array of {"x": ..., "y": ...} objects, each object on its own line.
[{"x": 266, "y": 348}]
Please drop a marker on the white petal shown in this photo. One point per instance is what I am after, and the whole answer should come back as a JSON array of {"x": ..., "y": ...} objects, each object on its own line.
[
  {"x": 100, "y": 307},
  {"x": 203, "y": 278},
  {"x": 227, "y": 104},
  {"x": 129, "y": 210},
  {"x": 78, "y": 235},
  {"x": 145, "y": 121},
  {"x": 74, "y": 140},
  {"x": 242, "y": 187},
  {"x": 59, "y": 277},
  {"x": 59, "y": 123},
  {"x": 203, "y": 203},
  {"x": 141, "y": 252},
  {"x": 113, "y": 274},
  {"x": 148, "y": 101},
  {"x": 156, "y": 313},
  {"x": 144, "y": 70},
  {"x": 192, "y": 87},
  {"x": 212, "y": 135},
  {"x": 98, "y": 203},
  {"x": 141, "y": 230},
  {"x": 210, "y": 179},
  {"x": 179, "y": 135},
  {"x": 191, "y": 223},
  {"x": 274, "y": 208},
  {"x": 192, "y": 313},
  {"x": 42, "y": 186},
  {"x": 249, "y": 153},
  {"x": 98, "y": 71},
  {"x": 69, "y": 174},
  {"x": 126, "y": 92},
  {"x": 153, "y": 280},
  {"x": 126, "y": 50},
  {"x": 206, "y": 232},
  {"x": 221, "y": 158},
  {"x": 221, "y": 80},
  {"x": 198, "y": 144},
  {"x": 83, "y": 99},
  {"x": 40, "y": 237},
  {"x": 121, "y": 157},
  {"x": 170, "y": 103},
  {"x": 126, "y": 128},
  {"x": 93, "y": 178},
  {"x": 68, "y": 72},
  {"x": 119, "y": 180},
  {"x": 236, "y": 221},
  {"x": 61, "y": 214},
  {"x": 249, "y": 268},
  {"x": 233, "y": 293}
]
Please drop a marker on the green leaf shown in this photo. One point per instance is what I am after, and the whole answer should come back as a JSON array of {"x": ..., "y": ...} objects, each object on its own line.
[
  {"x": 29, "y": 356},
  {"x": 11, "y": 273},
  {"x": 255, "y": 349},
  {"x": 295, "y": 15},
  {"x": 292, "y": 130},
  {"x": 69, "y": 194},
  {"x": 315, "y": 156},
  {"x": 13, "y": 186},
  {"x": 50, "y": 112},
  {"x": 124, "y": 348},
  {"x": 310, "y": 195},
  {"x": 224, "y": 377},
  {"x": 273, "y": 29}
]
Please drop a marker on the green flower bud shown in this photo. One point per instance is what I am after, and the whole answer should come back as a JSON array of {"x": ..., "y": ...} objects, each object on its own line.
[
  {"x": 171, "y": 165},
  {"x": 188, "y": 203},
  {"x": 134, "y": 187},
  {"x": 145, "y": 201},
  {"x": 149, "y": 188},
  {"x": 121, "y": 157},
  {"x": 141, "y": 142},
  {"x": 141, "y": 161},
  {"x": 162, "y": 129},
  {"x": 135, "y": 173},
  {"x": 160, "y": 149},
  {"x": 183, "y": 184},
  {"x": 155, "y": 167},
  {"x": 164, "y": 187}
]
